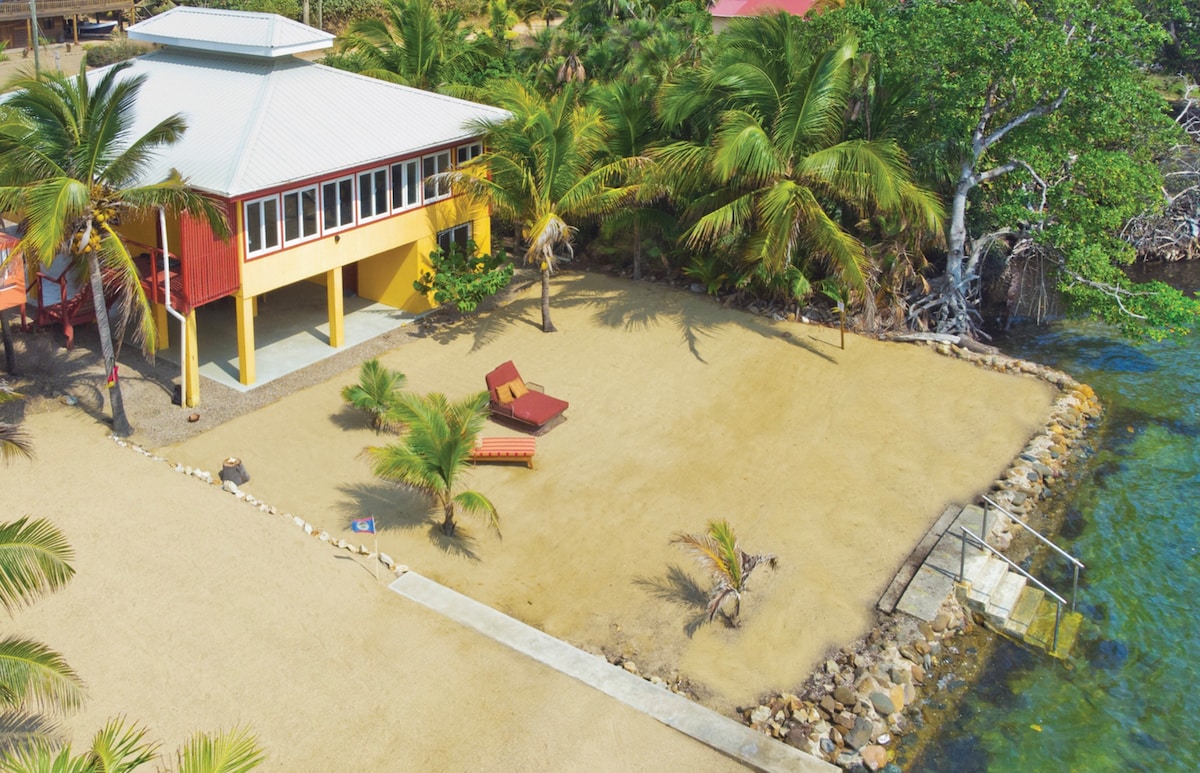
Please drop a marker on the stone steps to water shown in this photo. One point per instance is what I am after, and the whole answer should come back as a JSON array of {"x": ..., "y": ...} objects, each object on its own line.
[
  {"x": 1002, "y": 602},
  {"x": 1023, "y": 613},
  {"x": 1004, "y": 597},
  {"x": 1041, "y": 630},
  {"x": 984, "y": 581}
]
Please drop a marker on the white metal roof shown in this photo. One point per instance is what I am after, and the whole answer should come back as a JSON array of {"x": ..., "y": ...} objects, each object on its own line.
[
  {"x": 230, "y": 32},
  {"x": 255, "y": 124}
]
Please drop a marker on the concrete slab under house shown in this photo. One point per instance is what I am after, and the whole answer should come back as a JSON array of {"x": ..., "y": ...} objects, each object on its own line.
[{"x": 325, "y": 177}]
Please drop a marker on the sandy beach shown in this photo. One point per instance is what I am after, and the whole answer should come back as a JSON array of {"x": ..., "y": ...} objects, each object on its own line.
[{"x": 192, "y": 610}]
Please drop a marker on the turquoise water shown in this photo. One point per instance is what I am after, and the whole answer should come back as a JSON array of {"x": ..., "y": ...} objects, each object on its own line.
[{"x": 1129, "y": 698}]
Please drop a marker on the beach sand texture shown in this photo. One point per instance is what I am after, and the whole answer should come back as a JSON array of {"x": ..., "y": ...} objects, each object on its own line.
[
  {"x": 681, "y": 413},
  {"x": 194, "y": 611}
]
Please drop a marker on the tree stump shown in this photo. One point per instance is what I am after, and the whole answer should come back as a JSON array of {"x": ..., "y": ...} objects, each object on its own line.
[{"x": 233, "y": 470}]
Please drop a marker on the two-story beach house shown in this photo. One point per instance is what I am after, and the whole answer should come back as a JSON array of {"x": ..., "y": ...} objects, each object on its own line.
[{"x": 327, "y": 176}]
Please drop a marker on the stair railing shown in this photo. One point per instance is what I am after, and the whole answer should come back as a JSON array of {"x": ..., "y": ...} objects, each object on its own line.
[
  {"x": 1075, "y": 562},
  {"x": 970, "y": 536}
]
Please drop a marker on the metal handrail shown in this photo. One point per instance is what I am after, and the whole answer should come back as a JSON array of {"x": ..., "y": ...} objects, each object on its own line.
[
  {"x": 982, "y": 543},
  {"x": 1077, "y": 563},
  {"x": 1035, "y": 532}
]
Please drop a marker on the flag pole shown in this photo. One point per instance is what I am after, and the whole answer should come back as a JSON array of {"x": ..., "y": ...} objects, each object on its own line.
[{"x": 377, "y": 556}]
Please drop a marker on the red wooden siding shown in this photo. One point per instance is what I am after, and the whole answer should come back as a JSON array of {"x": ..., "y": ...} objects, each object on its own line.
[{"x": 210, "y": 265}]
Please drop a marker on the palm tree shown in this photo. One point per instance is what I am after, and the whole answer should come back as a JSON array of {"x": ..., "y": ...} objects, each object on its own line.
[
  {"x": 121, "y": 748},
  {"x": 14, "y": 441},
  {"x": 377, "y": 393},
  {"x": 415, "y": 44},
  {"x": 777, "y": 176},
  {"x": 435, "y": 452},
  {"x": 71, "y": 172},
  {"x": 628, "y": 111},
  {"x": 719, "y": 554},
  {"x": 542, "y": 170},
  {"x": 34, "y": 679}
]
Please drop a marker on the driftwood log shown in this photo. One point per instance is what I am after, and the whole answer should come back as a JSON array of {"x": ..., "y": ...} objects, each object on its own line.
[{"x": 970, "y": 344}]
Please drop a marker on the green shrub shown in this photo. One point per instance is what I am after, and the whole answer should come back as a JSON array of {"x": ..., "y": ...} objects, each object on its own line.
[{"x": 120, "y": 49}]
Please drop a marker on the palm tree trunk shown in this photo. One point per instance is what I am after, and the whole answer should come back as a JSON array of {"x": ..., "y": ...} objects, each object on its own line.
[
  {"x": 637, "y": 251},
  {"x": 10, "y": 354},
  {"x": 448, "y": 525},
  {"x": 547, "y": 325},
  {"x": 120, "y": 424}
]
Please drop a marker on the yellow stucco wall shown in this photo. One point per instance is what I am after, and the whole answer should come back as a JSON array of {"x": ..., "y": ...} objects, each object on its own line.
[{"x": 390, "y": 252}]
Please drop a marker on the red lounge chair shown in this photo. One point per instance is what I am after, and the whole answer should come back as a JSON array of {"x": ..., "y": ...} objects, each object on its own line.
[
  {"x": 505, "y": 449},
  {"x": 526, "y": 403}
]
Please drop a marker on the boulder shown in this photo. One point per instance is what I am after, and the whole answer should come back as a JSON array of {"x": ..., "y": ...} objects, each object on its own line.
[
  {"x": 882, "y": 704},
  {"x": 860, "y": 735},
  {"x": 874, "y": 757}
]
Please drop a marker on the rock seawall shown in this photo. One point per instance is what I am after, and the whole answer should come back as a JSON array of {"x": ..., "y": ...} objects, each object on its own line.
[{"x": 868, "y": 695}]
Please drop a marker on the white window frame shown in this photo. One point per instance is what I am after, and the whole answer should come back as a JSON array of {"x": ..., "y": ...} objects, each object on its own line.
[
  {"x": 448, "y": 234},
  {"x": 435, "y": 163},
  {"x": 408, "y": 186},
  {"x": 298, "y": 193},
  {"x": 379, "y": 204},
  {"x": 340, "y": 224},
  {"x": 263, "y": 220},
  {"x": 465, "y": 153}
]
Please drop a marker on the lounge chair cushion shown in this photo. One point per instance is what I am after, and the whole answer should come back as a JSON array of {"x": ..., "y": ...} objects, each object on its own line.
[
  {"x": 504, "y": 394},
  {"x": 518, "y": 388}
]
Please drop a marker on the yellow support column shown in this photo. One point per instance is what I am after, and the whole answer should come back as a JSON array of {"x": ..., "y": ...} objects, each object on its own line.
[
  {"x": 191, "y": 369},
  {"x": 245, "y": 337},
  {"x": 162, "y": 327},
  {"x": 337, "y": 316}
]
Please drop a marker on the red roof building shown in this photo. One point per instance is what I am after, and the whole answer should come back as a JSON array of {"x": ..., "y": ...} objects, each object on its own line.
[{"x": 724, "y": 10}]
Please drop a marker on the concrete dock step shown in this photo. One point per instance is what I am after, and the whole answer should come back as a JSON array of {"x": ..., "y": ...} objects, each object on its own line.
[
  {"x": 1041, "y": 630},
  {"x": 1023, "y": 613},
  {"x": 984, "y": 581},
  {"x": 1004, "y": 599}
]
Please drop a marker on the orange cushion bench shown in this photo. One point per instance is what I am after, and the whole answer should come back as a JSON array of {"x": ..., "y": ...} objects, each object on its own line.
[{"x": 505, "y": 449}]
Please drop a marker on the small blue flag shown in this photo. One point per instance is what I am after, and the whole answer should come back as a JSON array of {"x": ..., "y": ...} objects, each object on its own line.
[{"x": 363, "y": 526}]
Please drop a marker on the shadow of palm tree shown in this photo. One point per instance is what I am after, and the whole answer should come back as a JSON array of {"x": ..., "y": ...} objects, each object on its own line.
[
  {"x": 677, "y": 587},
  {"x": 462, "y": 544},
  {"x": 393, "y": 507},
  {"x": 20, "y": 730}
]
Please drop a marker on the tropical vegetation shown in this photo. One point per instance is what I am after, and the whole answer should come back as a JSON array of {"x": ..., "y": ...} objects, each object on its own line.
[
  {"x": 433, "y": 456},
  {"x": 377, "y": 393},
  {"x": 121, "y": 747},
  {"x": 725, "y": 562},
  {"x": 462, "y": 278},
  {"x": 71, "y": 173}
]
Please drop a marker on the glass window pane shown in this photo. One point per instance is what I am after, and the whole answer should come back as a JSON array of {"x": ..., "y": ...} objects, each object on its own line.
[
  {"x": 308, "y": 200},
  {"x": 429, "y": 169},
  {"x": 346, "y": 196},
  {"x": 291, "y": 216},
  {"x": 380, "y": 192},
  {"x": 365, "y": 205},
  {"x": 254, "y": 227},
  {"x": 410, "y": 185},
  {"x": 271, "y": 221},
  {"x": 329, "y": 200}
]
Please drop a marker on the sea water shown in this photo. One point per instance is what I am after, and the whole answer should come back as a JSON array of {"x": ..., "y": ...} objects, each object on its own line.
[{"x": 1129, "y": 697}]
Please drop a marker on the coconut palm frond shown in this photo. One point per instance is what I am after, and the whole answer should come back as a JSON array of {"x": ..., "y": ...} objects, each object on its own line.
[
  {"x": 376, "y": 394},
  {"x": 34, "y": 558},
  {"x": 719, "y": 554},
  {"x": 32, "y": 674},
  {"x": 234, "y": 752}
]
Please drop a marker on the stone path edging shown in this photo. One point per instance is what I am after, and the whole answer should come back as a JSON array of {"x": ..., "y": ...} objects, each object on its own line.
[{"x": 721, "y": 733}]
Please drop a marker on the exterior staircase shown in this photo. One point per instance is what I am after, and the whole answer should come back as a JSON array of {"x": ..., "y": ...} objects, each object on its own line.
[{"x": 952, "y": 558}]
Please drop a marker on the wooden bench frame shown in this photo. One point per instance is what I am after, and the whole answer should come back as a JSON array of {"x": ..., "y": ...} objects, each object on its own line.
[{"x": 505, "y": 449}]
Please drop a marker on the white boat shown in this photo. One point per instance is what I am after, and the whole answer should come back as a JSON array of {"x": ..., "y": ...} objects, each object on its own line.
[{"x": 96, "y": 29}]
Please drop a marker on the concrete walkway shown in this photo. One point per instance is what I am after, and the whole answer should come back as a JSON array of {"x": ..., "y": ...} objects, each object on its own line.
[{"x": 721, "y": 733}]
